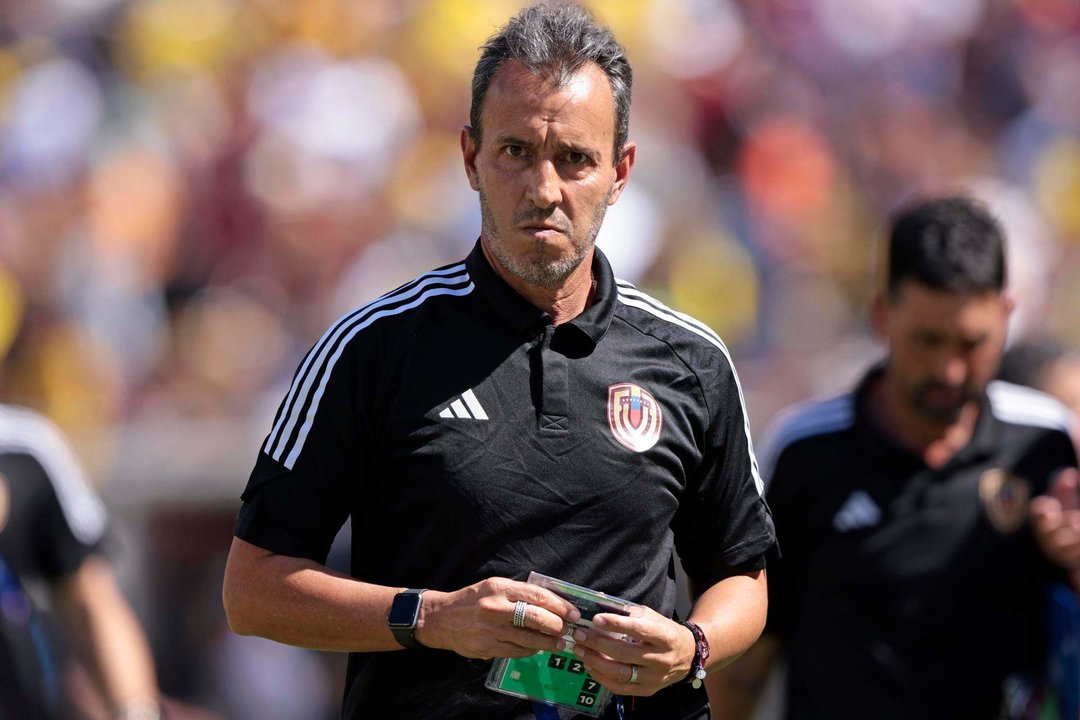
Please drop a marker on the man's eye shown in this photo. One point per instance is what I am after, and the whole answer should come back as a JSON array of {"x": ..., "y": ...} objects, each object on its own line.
[
  {"x": 577, "y": 158},
  {"x": 515, "y": 151}
]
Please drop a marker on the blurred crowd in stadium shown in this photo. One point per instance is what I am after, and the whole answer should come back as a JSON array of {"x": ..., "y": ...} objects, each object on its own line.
[{"x": 192, "y": 190}]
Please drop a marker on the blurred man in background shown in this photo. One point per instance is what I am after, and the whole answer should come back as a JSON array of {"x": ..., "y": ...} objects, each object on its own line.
[
  {"x": 518, "y": 411},
  {"x": 1049, "y": 365},
  {"x": 923, "y": 515},
  {"x": 51, "y": 528}
]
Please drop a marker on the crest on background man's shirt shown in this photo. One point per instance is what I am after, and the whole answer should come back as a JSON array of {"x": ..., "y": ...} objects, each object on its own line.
[
  {"x": 1005, "y": 498},
  {"x": 634, "y": 416}
]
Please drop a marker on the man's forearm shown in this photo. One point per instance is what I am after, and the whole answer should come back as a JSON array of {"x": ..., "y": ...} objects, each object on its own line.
[
  {"x": 732, "y": 614},
  {"x": 108, "y": 637},
  {"x": 300, "y": 602}
]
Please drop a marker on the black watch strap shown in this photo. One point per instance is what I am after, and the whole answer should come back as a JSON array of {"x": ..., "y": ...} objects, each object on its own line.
[{"x": 404, "y": 613}]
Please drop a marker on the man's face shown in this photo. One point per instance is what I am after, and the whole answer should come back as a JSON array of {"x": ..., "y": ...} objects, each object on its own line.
[
  {"x": 544, "y": 170},
  {"x": 944, "y": 347}
]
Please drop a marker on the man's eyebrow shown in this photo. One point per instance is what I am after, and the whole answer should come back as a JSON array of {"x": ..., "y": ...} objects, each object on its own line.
[
  {"x": 512, "y": 140},
  {"x": 590, "y": 152}
]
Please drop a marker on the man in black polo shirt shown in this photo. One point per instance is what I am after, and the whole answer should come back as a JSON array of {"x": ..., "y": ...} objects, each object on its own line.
[
  {"x": 52, "y": 525},
  {"x": 521, "y": 410},
  {"x": 917, "y": 548}
]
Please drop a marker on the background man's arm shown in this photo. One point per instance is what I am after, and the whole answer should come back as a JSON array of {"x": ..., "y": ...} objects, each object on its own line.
[
  {"x": 300, "y": 602},
  {"x": 108, "y": 636},
  {"x": 735, "y": 690}
]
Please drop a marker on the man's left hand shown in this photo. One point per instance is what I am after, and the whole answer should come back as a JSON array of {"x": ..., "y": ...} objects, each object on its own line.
[
  {"x": 1055, "y": 518},
  {"x": 659, "y": 651}
]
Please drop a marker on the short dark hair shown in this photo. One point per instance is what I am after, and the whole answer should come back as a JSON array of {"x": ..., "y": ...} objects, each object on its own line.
[
  {"x": 554, "y": 41},
  {"x": 1025, "y": 362},
  {"x": 952, "y": 244}
]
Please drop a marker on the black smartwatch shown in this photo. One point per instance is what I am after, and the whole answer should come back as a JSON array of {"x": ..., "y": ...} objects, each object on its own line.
[{"x": 402, "y": 618}]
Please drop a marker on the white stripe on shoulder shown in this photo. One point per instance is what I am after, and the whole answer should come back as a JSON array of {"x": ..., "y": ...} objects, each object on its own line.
[
  {"x": 316, "y": 360},
  {"x": 344, "y": 334},
  {"x": 25, "y": 431},
  {"x": 1026, "y": 406},
  {"x": 631, "y": 296},
  {"x": 804, "y": 420}
]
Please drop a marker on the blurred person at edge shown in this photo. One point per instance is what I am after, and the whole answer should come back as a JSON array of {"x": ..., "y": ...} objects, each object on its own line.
[
  {"x": 915, "y": 570},
  {"x": 473, "y": 424},
  {"x": 51, "y": 529},
  {"x": 1049, "y": 365}
]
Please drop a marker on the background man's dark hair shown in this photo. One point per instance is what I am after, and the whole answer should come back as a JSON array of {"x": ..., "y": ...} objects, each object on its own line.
[
  {"x": 554, "y": 41},
  {"x": 952, "y": 244},
  {"x": 1025, "y": 362}
]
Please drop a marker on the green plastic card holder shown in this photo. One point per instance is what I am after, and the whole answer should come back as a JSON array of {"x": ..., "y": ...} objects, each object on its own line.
[{"x": 559, "y": 678}]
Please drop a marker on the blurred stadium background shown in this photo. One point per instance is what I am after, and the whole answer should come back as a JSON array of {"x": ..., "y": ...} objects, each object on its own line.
[{"x": 191, "y": 190}]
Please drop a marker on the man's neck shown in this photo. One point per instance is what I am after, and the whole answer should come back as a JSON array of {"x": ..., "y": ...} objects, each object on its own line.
[
  {"x": 936, "y": 443},
  {"x": 562, "y": 303}
]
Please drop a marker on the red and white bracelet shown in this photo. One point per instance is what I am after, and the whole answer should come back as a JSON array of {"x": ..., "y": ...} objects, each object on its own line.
[{"x": 701, "y": 654}]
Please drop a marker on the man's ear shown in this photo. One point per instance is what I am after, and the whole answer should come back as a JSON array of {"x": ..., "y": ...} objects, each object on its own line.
[
  {"x": 622, "y": 170},
  {"x": 468, "y": 154}
]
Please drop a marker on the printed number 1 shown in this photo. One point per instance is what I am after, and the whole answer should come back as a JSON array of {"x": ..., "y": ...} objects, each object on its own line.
[{"x": 556, "y": 661}]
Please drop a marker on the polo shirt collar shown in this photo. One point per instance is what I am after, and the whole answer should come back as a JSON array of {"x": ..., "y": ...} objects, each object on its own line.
[
  {"x": 984, "y": 439},
  {"x": 592, "y": 324}
]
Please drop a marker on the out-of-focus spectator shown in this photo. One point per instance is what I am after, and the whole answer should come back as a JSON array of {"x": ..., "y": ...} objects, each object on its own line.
[{"x": 51, "y": 528}]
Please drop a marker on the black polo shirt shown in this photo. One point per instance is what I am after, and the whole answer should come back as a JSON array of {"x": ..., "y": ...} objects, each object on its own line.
[
  {"x": 905, "y": 591},
  {"x": 468, "y": 437}
]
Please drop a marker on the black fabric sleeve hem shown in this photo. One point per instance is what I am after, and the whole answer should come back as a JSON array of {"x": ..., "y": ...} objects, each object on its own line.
[
  {"x": 253, "y": 525},
  {"x": 741, "y": 559}
]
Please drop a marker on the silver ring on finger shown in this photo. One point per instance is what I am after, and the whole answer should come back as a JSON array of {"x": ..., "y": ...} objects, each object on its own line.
[
  {"x": 633, "y": 675},
  {"x": 520, "y": 607}
]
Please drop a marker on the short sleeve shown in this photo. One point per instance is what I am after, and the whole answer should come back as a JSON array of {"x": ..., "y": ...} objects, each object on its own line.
[
  {"x": 723, "y": 526},
  {"x": 62, "y": 517},
  {"x": 305, "y": 479}
]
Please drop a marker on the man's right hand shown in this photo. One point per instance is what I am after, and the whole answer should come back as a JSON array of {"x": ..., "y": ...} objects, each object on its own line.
[{"x": 478, "y": 621}]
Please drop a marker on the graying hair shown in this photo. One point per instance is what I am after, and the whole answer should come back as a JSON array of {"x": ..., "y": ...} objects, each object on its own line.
[{"x": 554, "y": 41}]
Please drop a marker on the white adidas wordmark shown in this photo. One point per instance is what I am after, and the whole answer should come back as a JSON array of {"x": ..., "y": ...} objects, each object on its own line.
[
  {"x": 858, "y": 511},
  {"x": 466, "y": 407}
]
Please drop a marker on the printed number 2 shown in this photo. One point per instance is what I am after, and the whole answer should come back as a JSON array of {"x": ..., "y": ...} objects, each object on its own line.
[{"x": 577, "y": 667}]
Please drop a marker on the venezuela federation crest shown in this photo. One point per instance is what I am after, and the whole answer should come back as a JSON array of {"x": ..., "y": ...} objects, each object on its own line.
[
  {"x": 1005, "y": 498},
  {"x": 634, "y": 416}
]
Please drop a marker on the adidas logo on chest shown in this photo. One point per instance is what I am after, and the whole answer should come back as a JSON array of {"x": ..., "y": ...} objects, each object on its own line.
[
  {"x": 858, "y": 511},
  {"x": 465, "y": 407}
]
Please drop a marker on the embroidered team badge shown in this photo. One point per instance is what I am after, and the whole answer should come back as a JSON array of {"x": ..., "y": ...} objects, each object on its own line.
[
  {"x": 634, "y": 416},
  {"x": 1005, "y": 498}
]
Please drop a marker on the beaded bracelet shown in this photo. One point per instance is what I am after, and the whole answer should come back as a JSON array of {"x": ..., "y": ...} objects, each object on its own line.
[{"x": 701, "y": 654}]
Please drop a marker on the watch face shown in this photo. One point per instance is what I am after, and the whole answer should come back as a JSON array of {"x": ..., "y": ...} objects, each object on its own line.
[{"x": 404, "y": 609}]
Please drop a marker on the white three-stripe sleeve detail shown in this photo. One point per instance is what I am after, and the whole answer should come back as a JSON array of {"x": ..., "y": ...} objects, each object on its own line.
[
  {"x": 293, "y": 404},
  {"x": 803, "y": 420},
  {"x": 23, "y": 431},
  {"x": 459, "y": 410},
  {"x": 677, "y": 319},
  {"x": 474, "y": 405},
  {"x": 309, "y": 418}
]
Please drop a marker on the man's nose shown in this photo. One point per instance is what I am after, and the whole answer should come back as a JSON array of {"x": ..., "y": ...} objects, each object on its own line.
[
  {"x": 544, "y": 188},
  {"x": 954, "y": 371}
]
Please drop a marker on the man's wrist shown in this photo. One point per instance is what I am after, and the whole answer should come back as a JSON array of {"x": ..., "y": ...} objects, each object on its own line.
[{"x": 696, "y": 676}]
